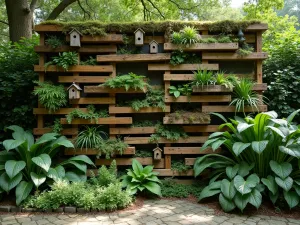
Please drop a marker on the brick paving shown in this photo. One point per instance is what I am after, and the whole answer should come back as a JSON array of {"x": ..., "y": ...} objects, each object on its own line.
[{"x": 153, "y": 212}]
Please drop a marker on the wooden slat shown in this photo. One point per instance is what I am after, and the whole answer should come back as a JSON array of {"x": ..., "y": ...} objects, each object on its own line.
[
  {"x": 63, "y": 111},
  {"x": 169, "y": 120},
  {"x": 234, "y": 56},
  {"x": 260, "y": 87},
  {"x": 66, "y": 131},
  {"x": 158, "y": 39},
  {"x": 128, "y": 162},
  {"x": 188, "y": 77},
  {"x": 250, "y": 38},
  {"x": 132, "y": 130},
  {"x": 189, "y": 161},
  {"x": 163, "y": 67},
  {"x": 120, "y": 110},
  {"x": 134, "y": 58},
  {"x": 211, "y": 88},
  {"x": 201, "y": 47},
  {"x": 109, "y": 120},
  {"x": 145, "y": 140},
  {"x": 170, "y": 173},
  {"x": 96, "y": 101},
  {"x": 89, "y": 151},
  {"x": 204, "y": 128},
  {"x": 257, "y": 26},
  {"x": 226, "y": 108},
  {"x": 202, "y": 98},
  {"x": 103, "y": 89},
  {"x": 47, "y": 28},
  {"x": 189, "y": 151},
  {"x": 82, "y": 49},
  {"x": 109, "y": 38},
  {"x": 76, "y": 69},
  {"x": 82, "y": 79}
]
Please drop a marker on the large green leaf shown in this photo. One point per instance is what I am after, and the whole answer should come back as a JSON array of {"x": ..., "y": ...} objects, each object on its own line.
[
  {"x": 45, "y": 138},
  {"x": 137, "y": 166},
  {"x": 7, "y": 184},
  {"x": 282, "y": 170},
  {"x": 277, "y": 131},
  {"x": 270, "y": 183},
  {"x": 297, "y": 189},
  {"x": 232, "y": 171},
  {"x": 13, "y": 167},
  {"x": 227, "y": 205},
  {"x": 16, "y": 129},
  {"x": 286, "y": 184},
  {"x": 243, "y": 126},
  {"x": 228, "y": 189},
  {"x": 5, "y": 156},
  {"x": 292, "y": 115},
  {"x": 241, "y": 201},
  {"x": 81, "y": 166},
  {"x": 153, "y": 188},
  {"x": 259, "y": 146},
  {"x": 210, "y": 190},
  {"x": 37, "y": 179},
  {"x": 244, "y": 168},
  {"x": 22, "y": 191},
  {"x": 273, "y": 197},
  {"x": 82, "y": 158},
  {"x": 12, "y": 144},
  {"x": 293, "y": 150},
  {"x": 217, "y": 144},
  {"x": 245, "y": 186},
  {"x": 291, "y": 198},
  {"x": 260, "y": 121},
  {"x": 153, "y": 178},
  {"x": 62, "y": 141},
  {"x": 43, "y": 161},
  {"x": 239, "y": 147},
  {"x": 56, "y": 173},
  {"x": 255, "y": 198},
  {"x": 74, "y": 177},
  {"x": 147, "y": 169}
]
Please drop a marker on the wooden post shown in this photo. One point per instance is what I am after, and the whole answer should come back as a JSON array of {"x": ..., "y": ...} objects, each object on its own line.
[
  {"x": 40, "y": 118},
  {"x": 167, "y": 157}
]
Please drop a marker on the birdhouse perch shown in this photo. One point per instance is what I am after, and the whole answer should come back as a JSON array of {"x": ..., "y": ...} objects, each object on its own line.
[
  {"x": 74, "y": 91},
  {"x": 157, "y": 153}
]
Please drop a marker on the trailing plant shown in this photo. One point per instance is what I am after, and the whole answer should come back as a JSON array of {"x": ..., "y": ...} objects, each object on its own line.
[
  {"x": 143, "y": 153},
  {"x": 184, "y": 89},
  {"x": 180, "y": 57},
  {"x": 105, "y": 176},
  {"x": 179, "y": 166},
  {"x": 169, "y": 132},
  {"x": 57, "y": 126},
  {"x": 245, "y": 50},
  {"x": 90, "y": 61},
  {"x": 54, "y": 41},
  {"x": 189, "y": 117},
  {"x": 128, "y": 81},
  {"x": 91, "y": 114},
  {"x": 154, "y": 98},
  {"x": 110, "y": 147},
  {"x": 90, "y": 137},
  {"x": 51, "y": 96},
  {"x": 267, "y": 147},
  {"x": 64, "y": 60},
  {"x": 243, "y": 95},
  {"x": 26, "y": 164},
  {"x": 141, "y": 179}
]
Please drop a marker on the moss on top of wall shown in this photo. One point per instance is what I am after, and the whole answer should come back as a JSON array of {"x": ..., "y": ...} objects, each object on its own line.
[{"x": 100, "y": 28}]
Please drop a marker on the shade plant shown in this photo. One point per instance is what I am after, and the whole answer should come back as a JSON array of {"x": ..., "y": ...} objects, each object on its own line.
[
  {"x": 26, "y": 164},
  {"x": 64, "y": 60},
  {"x": 262, "y": 159}
]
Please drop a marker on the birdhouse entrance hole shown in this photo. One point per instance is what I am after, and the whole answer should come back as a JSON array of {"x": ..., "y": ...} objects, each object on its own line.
[{"x": 74, "y": 36}]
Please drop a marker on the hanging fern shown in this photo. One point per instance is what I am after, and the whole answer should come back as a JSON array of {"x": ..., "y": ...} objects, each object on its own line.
[{"x": 91, "y": 114}]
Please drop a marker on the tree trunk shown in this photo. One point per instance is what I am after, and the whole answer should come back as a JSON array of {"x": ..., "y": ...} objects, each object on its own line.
[{"x": 20, "y": 18}]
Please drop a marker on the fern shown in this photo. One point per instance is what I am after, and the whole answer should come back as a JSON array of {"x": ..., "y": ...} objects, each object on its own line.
[
  {"x": 91, "y": 114},
  {"x": 110, "y": 147},
  {"x": 64, "y": 60},
  {"x": 172, "y": 133},
  {"x": 154, "y": 98},
  {"x": 90, "y": 61},
  {"x": 128, "y": 81},
  {"x": 57, "y": 127},
  {"x": 54, "y": 41},
  {"x": 51, "y": 96}
]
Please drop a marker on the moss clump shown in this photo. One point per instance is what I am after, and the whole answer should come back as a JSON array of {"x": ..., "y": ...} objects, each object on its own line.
[{"x": 226, "y": 26}]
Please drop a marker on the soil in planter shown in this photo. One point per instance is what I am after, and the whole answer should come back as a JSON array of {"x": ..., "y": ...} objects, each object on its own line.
[{"x": 189, "y": 117}]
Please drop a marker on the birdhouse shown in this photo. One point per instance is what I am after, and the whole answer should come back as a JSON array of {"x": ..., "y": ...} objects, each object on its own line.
[
  {"x": 139, "y": 36},
  {"x": 75, "y": 38},
  {"x": 153, "y": 47},
  {"x": 157, "y": 153},
  {"x": 74, "y": 91}
]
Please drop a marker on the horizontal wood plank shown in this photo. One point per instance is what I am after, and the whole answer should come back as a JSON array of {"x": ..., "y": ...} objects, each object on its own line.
[
  {"x": 134, "y": 58},
  {"x": 171, "y": 173},
  {"x": 89, "y": 151},
  {"x": 257, "y": 27},
  {"x": 171, "y": 120},
  {"x": 82, "y": 79},
  {"x": 83, "y": 49},
  {"x": 203, "y": 128},
  {"x": 66, "y": 131},
  {"x": 76, "y": 69},
  {"x": 145, "y": 140},
  {"x": 128, "y": 162},
  {"x": 189, "y": 161},
  {"x": 250, "y": 38},
  {"x": 109, "y": 120},
  {"x": 234, "y": 56},
  {"x": 103, "y": 89},
  {"x": 211, "y": 88},
  {"x": 181, "y": 67},
  {"x": 189, "y": 151},
  {"x": 120, "y": 110},
  {"x": 226, "y": 108},
  {"x": 95, "y": 101},
  {"x": 63, "y": 111},
  {"x": 109, "y": 38},
  {"x": 201, "y": 47},
  {"x": 189, "y": 77},
  {"x": 202, "y": 98}
]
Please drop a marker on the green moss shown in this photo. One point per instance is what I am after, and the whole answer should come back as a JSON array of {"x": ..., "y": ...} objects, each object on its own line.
[{"x": 226, "y": 26}]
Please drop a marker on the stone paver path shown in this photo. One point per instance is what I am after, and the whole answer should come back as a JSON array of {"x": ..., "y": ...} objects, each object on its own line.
[{"x": 153, "y": 212}]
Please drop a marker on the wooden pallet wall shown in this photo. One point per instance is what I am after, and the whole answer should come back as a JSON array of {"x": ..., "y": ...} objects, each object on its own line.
[{"x": 120, "y": 119}]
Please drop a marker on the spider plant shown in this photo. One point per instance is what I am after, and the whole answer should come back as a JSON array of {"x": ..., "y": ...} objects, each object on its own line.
[
  {"x": 90, "y": 137},
  {"x": 203, "y": 77},
  {"x": 189, "y": 35},
  {"x": 245, "y": 96},
  {"x": 225, "y": 81}
]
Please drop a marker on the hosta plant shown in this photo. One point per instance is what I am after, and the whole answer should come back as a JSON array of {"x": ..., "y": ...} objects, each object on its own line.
[
  {"x": 270, "y": 144},
  {"x": 26, "y": 164},
  {"x": 141, "y": 179}
]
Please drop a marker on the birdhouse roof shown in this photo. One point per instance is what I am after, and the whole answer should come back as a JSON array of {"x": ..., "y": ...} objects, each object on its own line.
[
  {"x": 157, "y": 148},
  {"x": 75, "y": 30},
  {"x": 153, "y": 41},
  {"x": 76, "y": 86},
  {"x": 139, "y": 29}
]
